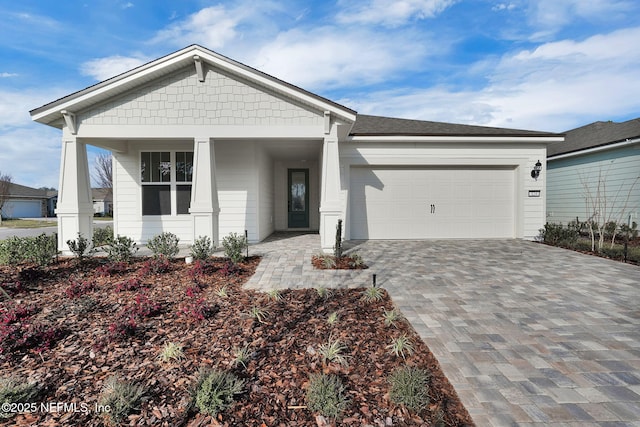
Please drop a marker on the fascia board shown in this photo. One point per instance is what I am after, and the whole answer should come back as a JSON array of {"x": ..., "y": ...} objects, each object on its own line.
[{"x": 494, "y": 139}]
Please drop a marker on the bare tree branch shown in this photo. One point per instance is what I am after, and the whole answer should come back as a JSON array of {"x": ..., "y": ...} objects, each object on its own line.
[
  {"x": 103, "y": 172},
  {"x": 5, "y": 183}
]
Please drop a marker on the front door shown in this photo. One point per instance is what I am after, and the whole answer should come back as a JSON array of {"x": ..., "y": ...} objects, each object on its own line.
[{"x": 298, "y": 198}]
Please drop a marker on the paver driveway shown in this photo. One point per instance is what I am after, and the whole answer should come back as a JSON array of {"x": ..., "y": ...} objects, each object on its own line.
[{"x": 527, "y": 334}]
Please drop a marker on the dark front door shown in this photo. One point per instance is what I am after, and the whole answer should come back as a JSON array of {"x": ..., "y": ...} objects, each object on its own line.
[{"x": 298, "y": 198}]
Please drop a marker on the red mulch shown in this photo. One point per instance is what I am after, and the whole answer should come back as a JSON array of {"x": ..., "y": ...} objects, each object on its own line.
[{"x": 284, "y": 347}]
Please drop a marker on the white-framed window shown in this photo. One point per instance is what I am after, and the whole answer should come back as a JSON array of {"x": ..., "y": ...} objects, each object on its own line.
[{"x": 166, "y": 182}]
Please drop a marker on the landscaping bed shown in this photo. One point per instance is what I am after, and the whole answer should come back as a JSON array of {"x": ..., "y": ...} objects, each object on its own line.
[{"x": 83, "y": 325}]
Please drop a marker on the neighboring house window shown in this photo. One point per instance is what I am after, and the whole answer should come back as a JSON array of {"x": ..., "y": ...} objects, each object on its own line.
[{"x": 166, "y": 182}]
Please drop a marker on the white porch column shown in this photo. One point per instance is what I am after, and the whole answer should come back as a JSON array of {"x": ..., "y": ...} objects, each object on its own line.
[
  {"x": 204, "y": 191},
  {"x": 330, "y": 203},
  {"x": 75, "y": 207}
]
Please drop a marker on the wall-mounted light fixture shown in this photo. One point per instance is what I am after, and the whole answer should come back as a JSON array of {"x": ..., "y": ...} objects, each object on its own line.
[{"x": 535, "y": 173}]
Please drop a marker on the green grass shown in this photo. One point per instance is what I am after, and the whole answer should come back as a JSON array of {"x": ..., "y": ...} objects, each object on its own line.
[{"x": 26, "y": 223}]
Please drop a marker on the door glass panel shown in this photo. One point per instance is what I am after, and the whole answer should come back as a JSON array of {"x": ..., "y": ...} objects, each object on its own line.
[{"x": 298, "y": 191}]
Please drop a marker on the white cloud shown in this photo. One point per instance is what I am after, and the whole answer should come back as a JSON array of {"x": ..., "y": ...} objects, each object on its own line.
[
  {"x": 391, "y": 12},
  {"x": 127, "y": 5},
  {"x": 104, "y": 68},
  {"x": 213, "y": 27},
  {"x": 31, "y": 155},
  {"x": 555, "y": 87},
  {"x": 7, "y": 75},
  {"x": 325, "y": 57},
  {"x": 504, "y": 6}
]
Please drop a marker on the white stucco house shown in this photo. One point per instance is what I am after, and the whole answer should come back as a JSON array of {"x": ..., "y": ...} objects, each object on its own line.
[{"x": 204, "y": 145}]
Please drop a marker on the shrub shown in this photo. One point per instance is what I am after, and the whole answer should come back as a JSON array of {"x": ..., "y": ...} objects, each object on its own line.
[
  {"x": 234, "y": 246},
  {"x": 171, "y": 351},
  {"x": 410, "y": 387},
  {"x": 401, "y": 345},
  {"x": 40, "y": 250},
  {"x": 326, "y": 395},
  {"x": 144, "y": 307},
  {"x": 112, "y": 268},
  {"x": 131, "y": 284},
  {"x": 373, "y": 294},
  {"x": 230, "y": 269},
  {"x": 79, "y": 288},
  {"x": 14, "y": 390},
  {"x": 215, "y": 391},
  {"x": 241, "y": 356},
  {"x": 390, "y": 317},
  {"x": 124, "y": 326},
  {"x": 156, "y": 265},
  {"x": 102, "y": 236},
  {"x": 18, "y": 332},
  {"x": 121, "y": 397},
  {"x": 331, "y": 351},
  {"x": 121, "y": 249},
  {"x": 202, "y": 248},
  {"x": 199, "y": 310},
  {"x": 165, "y": 244},
  {"x": 81, "y": 247}
]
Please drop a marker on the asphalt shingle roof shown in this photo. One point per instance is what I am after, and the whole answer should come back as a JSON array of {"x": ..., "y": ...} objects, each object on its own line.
[
  {"x": 17, "y": 190},
  {"x": 594, "y": 135},
  {"x": 380, "y": 126}
]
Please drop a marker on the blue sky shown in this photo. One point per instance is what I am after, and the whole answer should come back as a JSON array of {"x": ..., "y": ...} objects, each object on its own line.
[{"x": 549, "y": 65}]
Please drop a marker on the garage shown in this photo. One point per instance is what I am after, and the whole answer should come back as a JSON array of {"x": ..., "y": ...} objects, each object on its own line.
[
  {"x": 22, "y": 209},
  {"x": 432, "y": 202}
]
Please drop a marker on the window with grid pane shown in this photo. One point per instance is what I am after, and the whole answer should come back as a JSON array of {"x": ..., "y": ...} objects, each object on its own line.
[{"x": 164, "y": 174}]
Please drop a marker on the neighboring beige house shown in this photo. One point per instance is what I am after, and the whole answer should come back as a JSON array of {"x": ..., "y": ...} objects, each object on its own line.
[
  {"x": 204, "y": 145},
  {"x": 102, "y": 201}
]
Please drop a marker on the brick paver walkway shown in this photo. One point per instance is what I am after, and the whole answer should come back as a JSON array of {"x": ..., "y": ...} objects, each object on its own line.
[{"x": 527, "y": 334}]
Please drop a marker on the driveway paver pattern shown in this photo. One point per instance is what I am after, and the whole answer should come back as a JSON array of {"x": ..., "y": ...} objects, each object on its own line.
[{"x": 528, "y": 334}]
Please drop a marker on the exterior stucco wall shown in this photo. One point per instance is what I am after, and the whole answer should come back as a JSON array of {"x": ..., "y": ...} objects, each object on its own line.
[
  {"x": 529, "y": 211},
  {"x": 180, "y": 99},
  {"x": 572, "y": 179}
]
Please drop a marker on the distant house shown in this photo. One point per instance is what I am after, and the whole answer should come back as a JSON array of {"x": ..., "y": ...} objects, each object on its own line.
[
  {"x": 203, "y": 145},
  {"x": 27, "y": 202},
  {"x": 597, "y": 162},
  {"x": 102, "y": 201}
]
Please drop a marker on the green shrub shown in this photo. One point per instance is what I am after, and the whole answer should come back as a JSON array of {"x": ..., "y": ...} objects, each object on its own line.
[
  {"x": 410, "y": 387},
  {"x": 122, "y": 398},
  {"x": 234, "y": 246},
  {"x": 326, "y": 395},
  {"x": 216, "y": 390},
  {"x": 40, "y": 250},
  {"x": 202, "y": 248},
  {"x": 121, "y": 249},
  {"x": 81, "y": 247},
  {"x": 164, "y": 244},
  {"x": 13, "y": 390},
  {"x": 558, "y": 235},
  {"x": 102, "y": 236}
]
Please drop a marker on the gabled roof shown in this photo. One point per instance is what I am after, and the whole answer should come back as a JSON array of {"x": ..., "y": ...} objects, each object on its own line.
[
  {"x": 51, "y": 113},
  {"x": 387, "y": 126},
  {"x": 596, "y": 134},
  {"x": 22, "y": 191},
  {"x": 105, "y": 194}
]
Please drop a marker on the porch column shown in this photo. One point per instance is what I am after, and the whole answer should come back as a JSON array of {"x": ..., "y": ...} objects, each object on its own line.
[
  {"x": 204, "y": 191},
  {"x": 330, "y": 203},
  {"x": 75, "y": 207}
]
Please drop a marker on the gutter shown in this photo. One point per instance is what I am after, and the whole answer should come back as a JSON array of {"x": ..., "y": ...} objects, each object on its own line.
[{"x": 620, "y": 144}]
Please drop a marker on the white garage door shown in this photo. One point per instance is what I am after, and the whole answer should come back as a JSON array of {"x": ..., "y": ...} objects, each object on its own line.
[{"x": 432, "y": 203}]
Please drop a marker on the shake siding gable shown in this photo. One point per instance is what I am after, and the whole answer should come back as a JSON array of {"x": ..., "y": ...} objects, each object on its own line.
[{"x": 180, "y": 99}]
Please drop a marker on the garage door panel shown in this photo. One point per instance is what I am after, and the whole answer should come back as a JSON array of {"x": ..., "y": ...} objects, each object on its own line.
[{"x": 395, "y": 203}]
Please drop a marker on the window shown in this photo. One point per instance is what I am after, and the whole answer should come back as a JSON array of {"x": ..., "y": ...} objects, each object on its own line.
[{"x": 166, "y": 182}]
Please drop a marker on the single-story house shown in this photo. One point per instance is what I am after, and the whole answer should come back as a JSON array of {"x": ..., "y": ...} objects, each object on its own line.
[
  {"x": 595, "y": 174},
  {"x": 25, "y": 202},
  {"x": 102, "y": 201},
  {"x": 203, "y": 145}
]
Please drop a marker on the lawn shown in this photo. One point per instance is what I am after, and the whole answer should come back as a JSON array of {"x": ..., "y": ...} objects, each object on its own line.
[
  {"x": 152, "y": 327},
  {"x": 26, "y": 223}
]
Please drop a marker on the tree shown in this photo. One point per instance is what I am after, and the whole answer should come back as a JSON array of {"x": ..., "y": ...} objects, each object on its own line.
[
  {"x": 5, "y": 183},
  {"x": 103, "y": 174}
]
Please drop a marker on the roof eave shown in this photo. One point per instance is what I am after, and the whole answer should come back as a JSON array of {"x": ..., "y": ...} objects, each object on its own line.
[
  {"x": 545, "y": 139},
  {"x": 49, "y": 113}
]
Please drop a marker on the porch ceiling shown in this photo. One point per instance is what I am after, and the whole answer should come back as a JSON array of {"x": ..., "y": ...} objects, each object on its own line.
[{"x": 293, "y": 150}]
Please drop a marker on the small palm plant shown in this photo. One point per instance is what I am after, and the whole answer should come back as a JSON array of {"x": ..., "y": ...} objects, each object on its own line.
[
  {"x": 332, "y": 351},
  {"x": 401, "y": 345}
]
